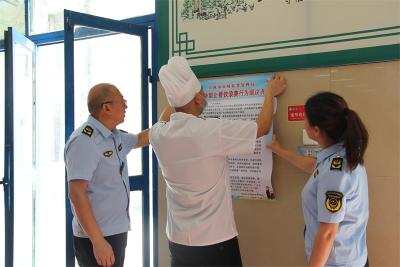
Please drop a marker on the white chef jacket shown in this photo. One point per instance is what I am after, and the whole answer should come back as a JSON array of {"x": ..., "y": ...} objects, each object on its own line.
[{"x": 192, "y": 154}]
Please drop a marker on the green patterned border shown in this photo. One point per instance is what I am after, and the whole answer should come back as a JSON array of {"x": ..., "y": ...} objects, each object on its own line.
[
  {"x": 186, "y": 45},
  {"x": 326, "y": 59}
]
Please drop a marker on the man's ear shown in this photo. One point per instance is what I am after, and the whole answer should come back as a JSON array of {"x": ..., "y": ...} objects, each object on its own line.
[
  {"x": 197, "y": 99},
  {"x": 106, "y": 107}
]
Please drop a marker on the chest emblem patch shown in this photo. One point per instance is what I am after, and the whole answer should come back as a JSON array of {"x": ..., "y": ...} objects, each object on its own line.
[
  {"x": 333, "y": 201},
  {"x": 108, "y": 154},
  {"x": 337, "y": 164},
  {"x": 119, "y": 147},
  {"x": 88, "y": 131}
]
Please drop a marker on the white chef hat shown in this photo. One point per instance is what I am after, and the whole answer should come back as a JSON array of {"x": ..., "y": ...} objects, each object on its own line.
[{"x": 179, "y": 82}]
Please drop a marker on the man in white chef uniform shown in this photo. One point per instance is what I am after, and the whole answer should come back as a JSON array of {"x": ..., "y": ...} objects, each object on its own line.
[{"x": 193, "y": 155}]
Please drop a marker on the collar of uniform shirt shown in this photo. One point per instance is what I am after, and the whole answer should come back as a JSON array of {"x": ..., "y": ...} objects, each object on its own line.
[
  {"x": 99, "y": 126},
  {"x": 181, "y": 115},
  {"x": 326, "y": 152}
]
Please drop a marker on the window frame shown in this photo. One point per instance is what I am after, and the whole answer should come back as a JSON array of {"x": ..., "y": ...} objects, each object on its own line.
[{"x": 150, "y": 21}]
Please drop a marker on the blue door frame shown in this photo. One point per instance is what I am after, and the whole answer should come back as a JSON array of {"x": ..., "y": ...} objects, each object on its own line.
[
  {"x": 141, "y": 182},
  {"x": 56, "y": 38},
  {"x": 11, "y": 38},
  {"x": 8, "y": 150}
]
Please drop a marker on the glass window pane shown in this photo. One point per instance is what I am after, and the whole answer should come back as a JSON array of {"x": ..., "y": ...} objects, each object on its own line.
[
  {"x": 2, "y": 237},
  {"x": 48, "y": 15},
  {"x": 12, "y": 14},
  {"x": 24, "y": 165},
  {"x": 134, "y": 249},
  {"x": 50, "y": 180},
  {"x": 114, "y": 59}
]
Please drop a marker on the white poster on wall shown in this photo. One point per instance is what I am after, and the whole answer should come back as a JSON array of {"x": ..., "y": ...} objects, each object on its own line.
[{"x": 242, "y": 98}]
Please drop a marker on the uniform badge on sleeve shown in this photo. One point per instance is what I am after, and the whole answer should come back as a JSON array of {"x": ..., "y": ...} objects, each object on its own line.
[
  {"x": 88, "y": 131},
  {"x": 108, "y": 153},
  {"x": 119, "y": 147},
  {"x": 337, "y": 164},
  {"x": 333, "y": 201}
]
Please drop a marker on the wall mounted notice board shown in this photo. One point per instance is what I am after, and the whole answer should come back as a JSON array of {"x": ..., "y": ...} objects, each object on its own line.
[{"x": 250, "y": 36}]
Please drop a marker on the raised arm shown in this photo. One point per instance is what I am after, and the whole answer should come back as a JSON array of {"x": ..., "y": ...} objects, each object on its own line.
[
  {"x": 276, "y": 86},
  {"x": 306, "y": 164},
  {"x": 166, "y": 114},
  {"x": 143, "y": 136},
  {"x": 143, "y": 139}
]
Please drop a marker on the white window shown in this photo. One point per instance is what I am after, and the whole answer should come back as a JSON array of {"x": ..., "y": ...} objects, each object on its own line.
[{"x": 48, "y": 15}]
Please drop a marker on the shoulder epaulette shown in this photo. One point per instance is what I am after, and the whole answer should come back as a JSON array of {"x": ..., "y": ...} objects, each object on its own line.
[
  {"x": 337, "y": 164},
  {"x": 88, "y": 131}
]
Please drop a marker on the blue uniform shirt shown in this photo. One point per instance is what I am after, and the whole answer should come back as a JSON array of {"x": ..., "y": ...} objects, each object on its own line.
[
  {"x": 98, "y": 155},
  {"x": 333, "y": 194}
]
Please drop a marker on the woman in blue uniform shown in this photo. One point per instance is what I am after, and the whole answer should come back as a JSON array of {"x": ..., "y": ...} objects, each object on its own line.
[{"x": 335, "y": 197}]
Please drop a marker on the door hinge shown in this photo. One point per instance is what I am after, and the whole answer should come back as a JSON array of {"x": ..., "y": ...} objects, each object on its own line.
[{"x": 149, "y": 75}]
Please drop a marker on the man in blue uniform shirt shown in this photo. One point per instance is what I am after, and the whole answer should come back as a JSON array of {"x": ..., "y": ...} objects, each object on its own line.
[{"x": 98, "y": 182}]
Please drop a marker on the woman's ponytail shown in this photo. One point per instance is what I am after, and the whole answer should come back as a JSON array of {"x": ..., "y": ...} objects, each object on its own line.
[{"x": 355, "y": 139}]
